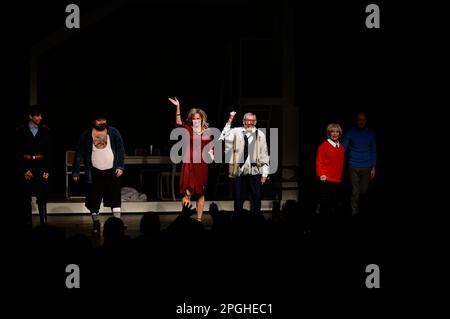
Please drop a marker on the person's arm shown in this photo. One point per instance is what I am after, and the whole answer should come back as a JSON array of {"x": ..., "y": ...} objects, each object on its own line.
[
  {"x": 175, "y": 102},
  {"x": 20, "y": 144},
  {"x": 373, "y": 155},
  {"x": 320, "y": 163},
  {"x": 210, "y": 147},
  {"x": 228, "y": 136},
  {"x": 231, "y": 117},
  {"x": 226, "y": 132},
  {"x": 346, "y": 140},
  {"x": 264, "y": 158},
  {"x": 120, "y": 153}
]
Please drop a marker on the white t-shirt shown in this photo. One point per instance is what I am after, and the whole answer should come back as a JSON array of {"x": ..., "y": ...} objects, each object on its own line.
[{"x": 103, "y": 158}]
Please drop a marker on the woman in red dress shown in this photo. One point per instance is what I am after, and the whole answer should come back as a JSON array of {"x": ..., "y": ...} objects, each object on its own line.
[{"x": 194, "y": 170}]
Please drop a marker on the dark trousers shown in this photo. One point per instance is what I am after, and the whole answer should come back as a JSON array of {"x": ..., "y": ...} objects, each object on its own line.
[
  {"x": 36, "y": 186},
  {"x": 331, "y": 215},
  {"x": 244, "y": 184},
  {"x": 104, "y": 186},
  {"x": 360, "y": 179},
  {"x": 329, "y": 199}
]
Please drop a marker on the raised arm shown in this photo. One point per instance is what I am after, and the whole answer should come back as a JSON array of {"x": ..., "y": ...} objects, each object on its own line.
[
  {"x": 178, "y": 113},
  {"x": 231, "y": 117},
  {"x": 227, "y": 129}
]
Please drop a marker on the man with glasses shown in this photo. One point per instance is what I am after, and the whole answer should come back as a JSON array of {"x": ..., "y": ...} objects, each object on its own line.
[{"x": 248, "y": 160}]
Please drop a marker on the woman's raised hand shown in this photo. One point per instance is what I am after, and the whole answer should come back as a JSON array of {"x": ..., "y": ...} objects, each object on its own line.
[{"x": 174, "y": 101}]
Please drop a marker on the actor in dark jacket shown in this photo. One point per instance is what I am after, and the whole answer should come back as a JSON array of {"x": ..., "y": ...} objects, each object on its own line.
[
  {"x": 102, "y": 151},
  {"x": 33, "y": 156}
]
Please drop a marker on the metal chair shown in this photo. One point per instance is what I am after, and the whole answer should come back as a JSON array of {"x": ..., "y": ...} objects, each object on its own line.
[{"x": 70, "y": 157}]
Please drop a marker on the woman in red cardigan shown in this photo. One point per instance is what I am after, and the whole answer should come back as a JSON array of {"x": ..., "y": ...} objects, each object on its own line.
[{"x": 329, "y": 166}]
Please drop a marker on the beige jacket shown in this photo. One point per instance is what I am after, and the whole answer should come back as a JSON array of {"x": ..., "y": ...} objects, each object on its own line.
[{"x": 234, "y": 148}]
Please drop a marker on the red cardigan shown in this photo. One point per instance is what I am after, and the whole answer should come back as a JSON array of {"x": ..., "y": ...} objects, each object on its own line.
[{"x": 330, "y": 161}]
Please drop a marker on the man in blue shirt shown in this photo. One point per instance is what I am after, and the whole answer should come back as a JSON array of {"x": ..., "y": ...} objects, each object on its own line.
[{"x": 360, "y": 145}]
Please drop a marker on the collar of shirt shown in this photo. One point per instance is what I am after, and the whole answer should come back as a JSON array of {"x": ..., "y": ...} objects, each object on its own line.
[
  {"x": 335, "y": 144},
  {"x": 33, "y": 127},
  {"x": 249, "y": 134}
]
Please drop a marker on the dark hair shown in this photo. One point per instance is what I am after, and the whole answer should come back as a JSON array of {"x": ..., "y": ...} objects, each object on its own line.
[
  {"x": 34, "y": 110},
  {"x": 99, "y": 114}
]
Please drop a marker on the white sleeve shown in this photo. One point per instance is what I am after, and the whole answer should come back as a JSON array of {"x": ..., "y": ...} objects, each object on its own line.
[
  {"x": 228, "y": 136},
  {"x": 265, "y": 170},
  {"x": 226, "y": 132},
  {"x": 264, "y": 156}
]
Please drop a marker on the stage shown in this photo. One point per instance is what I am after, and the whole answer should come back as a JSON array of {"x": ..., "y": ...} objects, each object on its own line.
[
  {"x": 73, "y": 218},
  {"x": 76, "y": 206}
]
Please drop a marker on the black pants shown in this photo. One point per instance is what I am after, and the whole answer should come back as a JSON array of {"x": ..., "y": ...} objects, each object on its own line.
[
  {"x": 104, "y": 186},
  {"x": 241, "y": 186},
  {"x": 36, "y": 186},
  {"x": 329, "y": 199}
]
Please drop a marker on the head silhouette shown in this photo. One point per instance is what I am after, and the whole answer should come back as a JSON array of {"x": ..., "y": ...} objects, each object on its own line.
[
  {"x": 114, "y": 229},
  {"x": 150, "y": 224}
]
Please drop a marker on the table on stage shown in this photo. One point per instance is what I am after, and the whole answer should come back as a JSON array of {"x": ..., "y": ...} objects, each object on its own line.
[{"x": 153, "y": 160}]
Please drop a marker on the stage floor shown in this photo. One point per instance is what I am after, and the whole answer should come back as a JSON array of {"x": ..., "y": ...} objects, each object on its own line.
[
  {"x": 77, "y": 206},
  {"x": 74, "y": 218},
  {"x": 73, "y": 224}
]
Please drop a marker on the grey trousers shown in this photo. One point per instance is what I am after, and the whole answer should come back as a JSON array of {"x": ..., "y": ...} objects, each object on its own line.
[{"x": 360, "y": 179}]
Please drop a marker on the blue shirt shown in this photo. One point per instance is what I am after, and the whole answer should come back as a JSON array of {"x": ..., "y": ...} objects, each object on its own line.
[
  {"x": 361, "y": 146},
  {"x": 33, "y": 127}
]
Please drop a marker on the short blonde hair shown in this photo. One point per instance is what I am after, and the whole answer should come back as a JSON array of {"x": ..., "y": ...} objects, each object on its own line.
[
  {"x": 203, "y": 115},
  {"x": 332, "y": 126}
]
